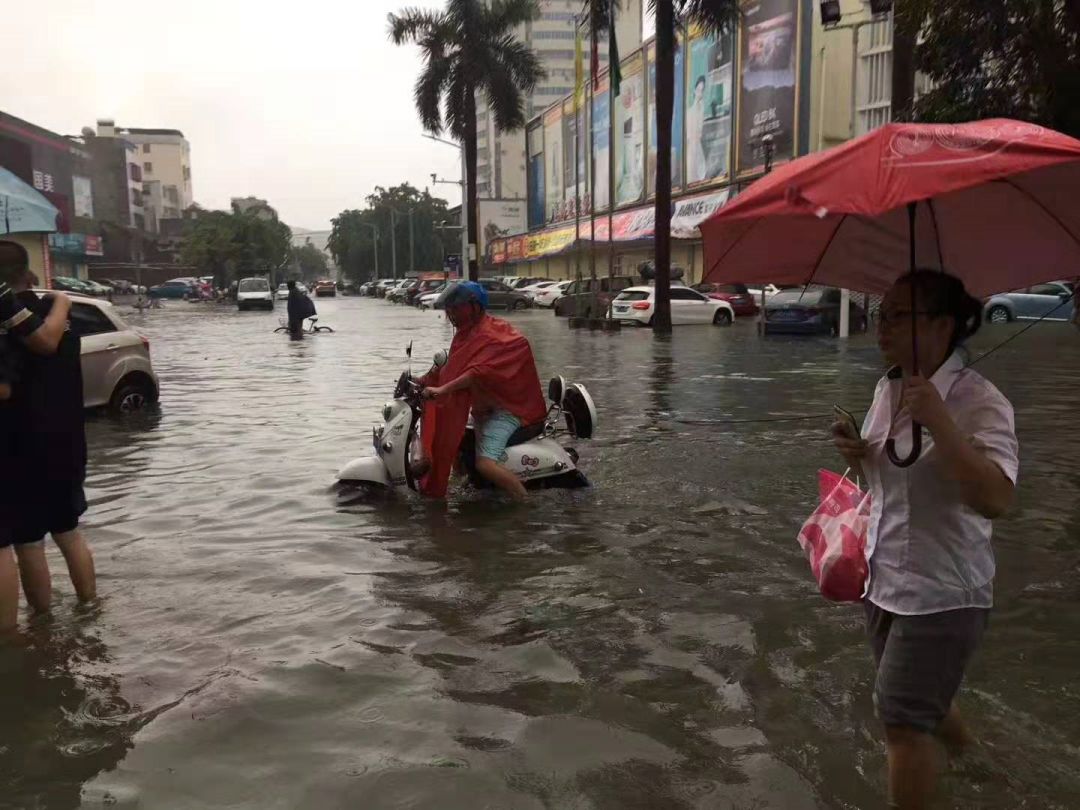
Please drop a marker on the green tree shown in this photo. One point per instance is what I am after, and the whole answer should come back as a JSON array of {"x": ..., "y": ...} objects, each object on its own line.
[
  {"x": 1013, "y": 58},
  {"x": 353, "y": 238},
  {"x": 310, "y": 262},
  {"x": 470, "y": 48},
  {"x": 231, "y": 245}
]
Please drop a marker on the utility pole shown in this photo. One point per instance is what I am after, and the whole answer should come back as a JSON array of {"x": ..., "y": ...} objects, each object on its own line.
[
  {"x": 905, "y": 34},
  {"x": 412, "y": 247},
  {"x": 393, "y": 242},
  {"x": 375, "y": 231},
  {"x": 463, "y": 182}
]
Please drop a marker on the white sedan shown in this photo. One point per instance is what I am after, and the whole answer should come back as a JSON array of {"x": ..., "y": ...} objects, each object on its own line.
[
  {"x": 547, "y": 296},
  {"x": 539, "y": 286},
  {"x": 638, "y": 304}
]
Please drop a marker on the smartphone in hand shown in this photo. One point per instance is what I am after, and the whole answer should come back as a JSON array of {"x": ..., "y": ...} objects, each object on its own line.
[{"x": 849, "y": 426}]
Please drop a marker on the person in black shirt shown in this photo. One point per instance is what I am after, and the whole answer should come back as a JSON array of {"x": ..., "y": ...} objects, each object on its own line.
[
  {"x": 299, "y": 307},
  {"x": 46, "y": 438}
]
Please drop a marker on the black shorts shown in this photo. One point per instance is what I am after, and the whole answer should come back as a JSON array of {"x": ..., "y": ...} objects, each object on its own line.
[
  {"x": 920, "y": 662},
  {"x": 50, "y": 509}
]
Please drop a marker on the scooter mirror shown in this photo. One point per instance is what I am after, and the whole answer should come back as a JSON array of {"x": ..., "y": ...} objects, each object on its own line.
[{"x": 440, "y": 358}]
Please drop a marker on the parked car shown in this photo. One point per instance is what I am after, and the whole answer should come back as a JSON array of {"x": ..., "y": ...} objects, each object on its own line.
[
  {"x": 254, "y": 293},
  {"x": 638, "y": 304},
  {"x": 73, "y": 285},
  {"x": 532, "y": 289},
  {"x": 120, "y": 286},
  {"x": 399, "y": 294},
  {"x": 428, "y": 299},
  {"x": 738, "y": 295},
  {"x": 501, "y": 296},
  {"x": 325, "y": 288},
  {"x": 522, "y": 283},
  {"x": 383, "y": 285},
  {"x": 116, "y": 366},
  {"x": 367, "y": 288},
  {"x": 282, "y": 293},
  {"x": 605, "y": 288},
  {"x": 1046, "y": 301},
  {"x": 423, "y": 287},
  {"x": 813, "y": 311},
  {"x": 173, "y": 288},
  {"x": 549, "y": 295}
]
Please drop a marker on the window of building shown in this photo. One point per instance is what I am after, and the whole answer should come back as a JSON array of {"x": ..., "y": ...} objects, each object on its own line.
[
  {"x": 553, "y": 91},
  {"x": 146, "y": 148},
  {"x": 135, "y": 171},
  {"x": 136, "y": 198},
  {"x": 558, "y": 16},
  {"x": 148, "y": 168},
  {"x": 546, "y": 55},
  {"x": 172, "y": 195},
  {"x": 553, "y": 35}
]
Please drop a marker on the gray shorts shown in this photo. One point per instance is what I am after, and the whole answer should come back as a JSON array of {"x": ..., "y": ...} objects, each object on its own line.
[{"x": 921, "y": 662}]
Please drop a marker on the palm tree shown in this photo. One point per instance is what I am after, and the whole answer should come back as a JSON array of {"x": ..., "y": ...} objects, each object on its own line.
[
  {"x": 720, "y": 17},
  {"x": 470, "y": 48}
]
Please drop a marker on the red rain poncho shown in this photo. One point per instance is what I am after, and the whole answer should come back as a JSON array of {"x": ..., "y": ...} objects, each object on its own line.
[{"x": 501, "y": 361}]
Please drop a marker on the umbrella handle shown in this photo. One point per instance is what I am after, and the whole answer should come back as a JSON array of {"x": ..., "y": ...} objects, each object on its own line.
[{"x": 916, "y": 448}]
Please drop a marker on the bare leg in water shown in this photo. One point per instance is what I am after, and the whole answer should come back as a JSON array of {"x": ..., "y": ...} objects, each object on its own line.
[
  {"x": 80, "y": 563},
  {"x": 34, "y": 572},
  {"x": 501, "y": 477},
  {"x": 9, "y": 594}
]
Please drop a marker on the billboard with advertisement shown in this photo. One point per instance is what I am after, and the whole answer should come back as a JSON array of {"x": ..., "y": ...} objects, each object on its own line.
[
  {"x": 768, "y": 67},
  {"x": 709, "y": 98},
  {"x": 677, "y": 116},
  {"x": 601, "y": 110},
  {"x": 553, "y": 159},
  {"x": 500, "y": 218},
  {"x": 575, "y": 171},
  {"x": 82, "y": 194},
  {"x": 629, "y": 133},
  {"x": 534, "y": 144}
]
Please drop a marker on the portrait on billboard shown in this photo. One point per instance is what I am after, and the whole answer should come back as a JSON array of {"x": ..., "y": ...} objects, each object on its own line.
[
  {"x": 677, "y": 116},
  {"x": 708, "y": 108},
  {"x": 630, "y": 134}
]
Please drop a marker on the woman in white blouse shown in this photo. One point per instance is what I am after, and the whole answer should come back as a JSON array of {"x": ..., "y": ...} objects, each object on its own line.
[{"x": 931, "y": 563}]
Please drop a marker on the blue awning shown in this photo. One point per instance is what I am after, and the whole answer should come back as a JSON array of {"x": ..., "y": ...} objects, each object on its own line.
[{"x": 22, "y": 208}]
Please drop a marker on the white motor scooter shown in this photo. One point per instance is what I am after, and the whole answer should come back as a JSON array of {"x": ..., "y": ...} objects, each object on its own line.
[{"x": 534, "y": 453}]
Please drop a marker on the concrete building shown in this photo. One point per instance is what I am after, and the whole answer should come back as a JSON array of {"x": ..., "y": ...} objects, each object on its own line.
[
  {"x": 165, "y": 159},
  {"x": 501, "y": 164},
  {"x": 320, "y": 240}
]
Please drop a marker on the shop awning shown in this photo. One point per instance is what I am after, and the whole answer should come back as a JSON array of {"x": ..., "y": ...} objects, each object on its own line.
[
  {"x": 22, "y": 208},
  {"x": 629, "y": 226}
]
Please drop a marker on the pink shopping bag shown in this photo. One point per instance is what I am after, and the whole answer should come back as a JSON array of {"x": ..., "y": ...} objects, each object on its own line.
[{"x": 834, "y": 538}]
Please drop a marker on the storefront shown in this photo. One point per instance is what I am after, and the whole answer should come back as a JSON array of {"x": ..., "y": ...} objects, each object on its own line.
[
  {"x": 69, "y": 253},
  {"x": 564, "y": 250}
]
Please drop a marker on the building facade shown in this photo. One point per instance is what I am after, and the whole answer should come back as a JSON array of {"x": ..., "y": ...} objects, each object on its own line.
[
  {"x": 501, "y": 160},
  {"x": 62, "y": 170},
  {"x": 165, "y": 161},
  {"x": 741, "y": 105}
]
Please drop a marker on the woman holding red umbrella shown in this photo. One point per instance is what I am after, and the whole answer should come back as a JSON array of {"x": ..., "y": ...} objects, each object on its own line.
[{"x": 931, "y": 563}]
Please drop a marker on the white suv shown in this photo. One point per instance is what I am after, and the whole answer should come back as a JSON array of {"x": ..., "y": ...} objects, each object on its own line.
[
  {"x": 116, "y": 365},
  {"x": 254, "y": 292}
]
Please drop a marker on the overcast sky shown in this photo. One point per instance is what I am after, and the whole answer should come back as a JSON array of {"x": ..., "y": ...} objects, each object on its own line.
[{"x": 310, "y": 110}]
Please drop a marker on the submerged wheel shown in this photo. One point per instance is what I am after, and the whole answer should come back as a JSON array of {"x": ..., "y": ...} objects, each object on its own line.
[
  {"x": 519, "y": 305},
  {"x": 722, "y": 318},
  {"x": 999, "y": 314},
  {"x": 130, "y": 397}
]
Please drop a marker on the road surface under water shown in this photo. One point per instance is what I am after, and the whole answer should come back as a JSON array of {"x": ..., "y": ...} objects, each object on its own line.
[{"x": 654, "y": 642}]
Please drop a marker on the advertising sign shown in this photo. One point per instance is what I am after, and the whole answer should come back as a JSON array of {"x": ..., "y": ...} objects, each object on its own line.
[
  {"x": 677, "y": 117},
  {"x": 601, "y": 107},
  {"x": 94, "y": 246},
  {"x": 575, "y": 173},
  {"x": 767, "y": 81},
  {"x": 629, "y": 133},
  {"x": 500, "y": 218},
  {"x": 534, "y": 144},
  {"x": 82, "y": 196},
  {"x": 553, "y": 159},
  {"x": 708, "y": 108}
]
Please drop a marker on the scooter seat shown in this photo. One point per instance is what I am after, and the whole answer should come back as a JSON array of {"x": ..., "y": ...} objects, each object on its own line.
[{"x": 524, "y": 434}]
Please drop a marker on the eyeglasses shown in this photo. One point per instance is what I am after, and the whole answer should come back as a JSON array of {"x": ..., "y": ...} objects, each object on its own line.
[{"x": 887, "y": 317}]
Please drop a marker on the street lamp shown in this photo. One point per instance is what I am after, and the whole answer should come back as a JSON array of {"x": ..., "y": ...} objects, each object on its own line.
[{"x": 464, "y": 193}]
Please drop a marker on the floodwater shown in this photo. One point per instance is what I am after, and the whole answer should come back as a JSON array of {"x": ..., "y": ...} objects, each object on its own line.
[{"x": 654, "y": 642}]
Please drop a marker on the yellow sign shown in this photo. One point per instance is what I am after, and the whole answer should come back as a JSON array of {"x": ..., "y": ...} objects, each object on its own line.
[{"x": 548, "y": 242}]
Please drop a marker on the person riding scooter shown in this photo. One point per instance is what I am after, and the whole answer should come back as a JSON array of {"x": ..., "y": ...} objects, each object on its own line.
[{"x": 490, "y": 370}]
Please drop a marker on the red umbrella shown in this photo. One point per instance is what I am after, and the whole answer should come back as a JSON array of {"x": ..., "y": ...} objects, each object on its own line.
[{"x": 996, "y": 203}]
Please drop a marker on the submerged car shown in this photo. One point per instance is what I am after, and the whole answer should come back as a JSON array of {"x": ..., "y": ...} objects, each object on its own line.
[
  {"x": 813, "y": 311},
  {"x": 1050, "y": 302},
  {"x": 638, "y": 305},
  {"x": 325, "y": 288},
  {"x": 254, "y": 293},
  {"x": 738, "y": 295}
]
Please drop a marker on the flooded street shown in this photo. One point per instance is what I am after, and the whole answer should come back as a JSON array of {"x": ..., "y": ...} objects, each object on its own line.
[{"x": 654, "y": 642}]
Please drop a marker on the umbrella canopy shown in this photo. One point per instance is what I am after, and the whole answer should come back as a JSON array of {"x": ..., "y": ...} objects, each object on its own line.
[
  {"x": 22, "y": 209},
  {"x": 996, "y": 203}
]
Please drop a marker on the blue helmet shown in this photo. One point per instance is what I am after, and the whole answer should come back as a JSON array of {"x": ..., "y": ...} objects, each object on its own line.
[{"x": 463, "y": 292}]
